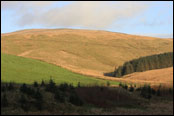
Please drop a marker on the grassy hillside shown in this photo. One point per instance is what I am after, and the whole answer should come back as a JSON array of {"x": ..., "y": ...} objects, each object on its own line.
[
  {"x": 159, "y": 76},
  {"x": 84, "y": 51},
  {"x": 25, "y": 70}
]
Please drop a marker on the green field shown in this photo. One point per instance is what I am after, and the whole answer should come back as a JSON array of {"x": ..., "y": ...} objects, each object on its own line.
[
  {"x": 88, "y": 52},
  {"x": 24, "y": 70}
]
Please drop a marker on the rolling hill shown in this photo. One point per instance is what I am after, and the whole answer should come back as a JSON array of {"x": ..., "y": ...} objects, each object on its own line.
[
  {"x": 154, "y": 77},
  {"x": 87, "y": 52},
  {"x": 25, "y": 70}
]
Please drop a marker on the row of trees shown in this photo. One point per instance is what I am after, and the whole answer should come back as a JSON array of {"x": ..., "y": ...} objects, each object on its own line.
[
  {"x": 33, "y": 96},
  {"x": 147, "y": 91},
  {"x": 145, "y": 63}
]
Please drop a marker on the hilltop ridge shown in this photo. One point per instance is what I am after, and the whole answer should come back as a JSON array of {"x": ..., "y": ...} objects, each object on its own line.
[{"x": 89, "y": 52}]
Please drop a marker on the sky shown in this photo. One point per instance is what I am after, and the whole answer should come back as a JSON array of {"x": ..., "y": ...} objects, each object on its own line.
[{"x": 152, "y": 18}]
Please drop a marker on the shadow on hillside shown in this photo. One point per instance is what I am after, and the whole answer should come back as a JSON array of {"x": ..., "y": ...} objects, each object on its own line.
[{"x": 110, "y": 74}]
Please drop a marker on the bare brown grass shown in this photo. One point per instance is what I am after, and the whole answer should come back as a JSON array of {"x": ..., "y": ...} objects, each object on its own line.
[{"x": 88, "y": 52}]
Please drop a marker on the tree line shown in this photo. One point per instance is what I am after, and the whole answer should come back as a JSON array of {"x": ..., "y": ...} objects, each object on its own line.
[{"x": 141, "y": 64}]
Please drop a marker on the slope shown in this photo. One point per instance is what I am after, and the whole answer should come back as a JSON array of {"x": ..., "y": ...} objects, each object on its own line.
[
  {"x": 87, "y": 52},
  {"x": 158, "y": 76},
  {"x": 25, "y": 70}
]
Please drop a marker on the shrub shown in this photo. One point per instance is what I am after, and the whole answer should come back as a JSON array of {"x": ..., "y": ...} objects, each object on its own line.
[
  {"x": 120, "y": 84},
  {"x": 23, "y": 88},
  {"x": 51, "y": 86},
  {"x": 74, "y": 99},
  {"x": 42, "y": 83},
  {"x": 108, "y": 83},
  {"x": 125, "y": 86},
  {"x": 39, "y": 100},
  {"x": 78, "y": 84},
  {"x": 24, "y": 103},
  {"x": 138, "y": 89},
  {"x": 170, "y": 91},
  {"x": 131, "y": 89},
  {"x": 63, "y": 87},
  {"x": 158, "y": 92},
  {"x": 59, "y": 97},
  {"x": 38, "y": 95},
  {"x": 153, "y": 91},
  {"x": 3, "y": 89},
  {"x": 71, "y": 87},
  {"x": 4, "y": 101},
  {"x": 146, "y": 92},
  {"x": 35, "y": 84},
  {"x": 10, "y": 86},
  {"x": 27, "y": 90}
]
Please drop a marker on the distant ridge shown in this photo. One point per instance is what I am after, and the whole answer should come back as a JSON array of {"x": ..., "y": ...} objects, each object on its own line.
[{"x": 90, "y": 52}]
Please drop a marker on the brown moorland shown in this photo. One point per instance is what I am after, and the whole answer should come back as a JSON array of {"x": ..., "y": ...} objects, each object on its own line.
[{"x": 89, "y": 52}]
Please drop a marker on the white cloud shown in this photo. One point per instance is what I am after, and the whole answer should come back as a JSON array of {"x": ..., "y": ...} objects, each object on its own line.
[{"x": 95, "y": 15}]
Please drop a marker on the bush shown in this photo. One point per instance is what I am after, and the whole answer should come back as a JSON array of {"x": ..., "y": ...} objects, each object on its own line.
[
  {"x": 23, "y": 88},
  {"x": 59, "y": 97},
  {"x": 4, "y": 101},
  {"x": 36, "y": 84},
  {"x": 131, "y": 89},
  {"x": 138, "y": 89},
  {"x": 108, "y": 83},
  {"x": 51, "y": 87},
  {"x": 10, "y": 86},
  {"x": 71, "y": 87},
  {"x": 171, "y": 91},
  {"x": 120, "y": 84},
  {"x": 39, "y": 100},
  {"x": 125, "y": 86},
  {"x": 158, "y": 92},
  {"x": 78, "y": 84},
  {"x": 153, "y": 91},
  {"x": 63, "y": 87},
  {"x": 74, "y": 99},
  {"x": 3, "y": 89},
  {"x": 24, "y": 103},
  {"x": 42, "y": 83},
  {"x": 146, "y": 92},
  {"x": 27, "y": 90},
  {"x": 39, "y": 104},
  {"x": 38, "y": 95}
]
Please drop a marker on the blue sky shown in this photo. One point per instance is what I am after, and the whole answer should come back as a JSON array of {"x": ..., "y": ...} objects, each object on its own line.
[{"x": 140, "y": 18}]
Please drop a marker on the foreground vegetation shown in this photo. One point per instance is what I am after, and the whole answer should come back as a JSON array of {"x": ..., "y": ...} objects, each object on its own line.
[
  {"x": 49, "y": 98},
  {"x": 145, "y": 63},
  {"x": 24, "y": 70}
]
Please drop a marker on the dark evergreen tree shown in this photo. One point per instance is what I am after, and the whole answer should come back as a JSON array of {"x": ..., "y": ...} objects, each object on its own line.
[
  {"x": 23, "y": 88},
  {"x": 35, "y": 84},
  {"x": 51, "y": 86},
  {"x": 145, "y": 63},
  {"x": 78, "y": 84},
  {"x": 42, "y": 83},
  {"x": 10, "y": 86}
]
